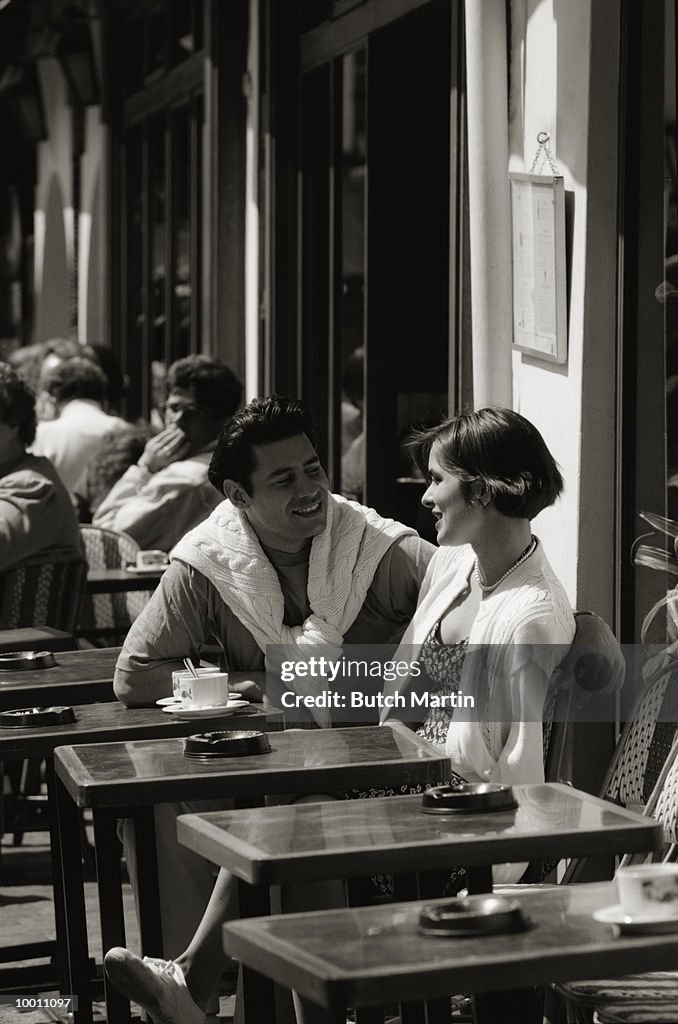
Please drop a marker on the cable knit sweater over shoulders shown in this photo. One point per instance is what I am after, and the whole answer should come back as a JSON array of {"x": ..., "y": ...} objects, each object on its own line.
[{"x": 521, "y": 633}]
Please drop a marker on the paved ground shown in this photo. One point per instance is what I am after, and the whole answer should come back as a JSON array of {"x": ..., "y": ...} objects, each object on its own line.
[{"x": 27, "y": 914}]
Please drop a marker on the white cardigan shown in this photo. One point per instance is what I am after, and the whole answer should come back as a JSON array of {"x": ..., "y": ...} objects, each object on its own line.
[{"x": 522, "y": 631}]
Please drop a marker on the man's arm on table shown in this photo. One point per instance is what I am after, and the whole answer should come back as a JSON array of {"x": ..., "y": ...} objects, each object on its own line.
[{"x": 171, "y": 627}]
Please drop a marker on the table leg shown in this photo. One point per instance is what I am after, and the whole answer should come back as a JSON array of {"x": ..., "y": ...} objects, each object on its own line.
[
  {"x": 59, "y": 954},
  {"x": 76, "y": 951},
  {"x": 148, "y": 896},
  {"x": 257, "y": 990},
  {"x": 111, "y": 914}
]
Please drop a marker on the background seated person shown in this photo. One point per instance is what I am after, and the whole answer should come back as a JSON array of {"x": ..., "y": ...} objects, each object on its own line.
[
  {"x": 36, "y": 514},
  {"x": 78, "y": 388},
  {"x": 167, "y": 492}
]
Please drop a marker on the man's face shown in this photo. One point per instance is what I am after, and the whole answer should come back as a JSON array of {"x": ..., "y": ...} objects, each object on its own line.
[
  {"x": 181, "y": 410},
  {"x": 287, "y": 502}
]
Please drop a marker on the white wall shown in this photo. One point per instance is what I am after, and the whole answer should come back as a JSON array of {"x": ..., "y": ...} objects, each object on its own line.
[
  {"x": 54, "y": 235},
  {"x": 563, "y": 81},
  {"x": 54, "y": 264},
  {"x": 92, "y": 235}
]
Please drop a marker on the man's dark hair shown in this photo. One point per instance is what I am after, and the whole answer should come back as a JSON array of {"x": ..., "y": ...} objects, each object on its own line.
[
  {"x": 262, "y": 421},
  {"x": 501, "y": 450},
  {"x": 216, "y": 389},
  {"x": 17, "y": 404},
  {"x": 76, "y": 378}
]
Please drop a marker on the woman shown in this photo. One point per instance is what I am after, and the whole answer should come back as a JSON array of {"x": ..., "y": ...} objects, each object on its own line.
[
  {"x": 493, "y": 621},
  {"x": 491, "y": 611}
]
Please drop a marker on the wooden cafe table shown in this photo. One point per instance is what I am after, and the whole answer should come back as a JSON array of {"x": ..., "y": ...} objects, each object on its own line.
[
  {"x": 121, "y": 581},
  {"x": 358, "y": 838},
  {"x": 35, "y": 638},
  {"x": 79, "y": 677},
  {"x": 375, "y": 955},
  {"x": 127, "y": 778},
  {"x": 93, "y": 723}
]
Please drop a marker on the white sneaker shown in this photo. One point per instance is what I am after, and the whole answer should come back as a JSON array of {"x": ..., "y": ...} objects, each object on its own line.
[{"x": 157, "y": 986}]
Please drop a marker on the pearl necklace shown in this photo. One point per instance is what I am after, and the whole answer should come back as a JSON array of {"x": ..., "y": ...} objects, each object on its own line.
[{"x": 487, "y": 588}]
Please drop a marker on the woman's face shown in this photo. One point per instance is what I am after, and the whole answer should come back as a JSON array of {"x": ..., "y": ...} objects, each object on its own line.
[{"x": 456, "y": 522}]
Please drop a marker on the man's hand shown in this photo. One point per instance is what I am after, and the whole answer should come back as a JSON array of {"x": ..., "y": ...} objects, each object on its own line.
[
  {"x": 249, "y": 684},
  {"x": 168, "y": 446},
  {"x": 594, "y": 664}
]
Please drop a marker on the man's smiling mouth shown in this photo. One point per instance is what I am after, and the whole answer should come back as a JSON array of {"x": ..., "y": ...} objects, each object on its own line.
[{"x": 309, "y": 510}]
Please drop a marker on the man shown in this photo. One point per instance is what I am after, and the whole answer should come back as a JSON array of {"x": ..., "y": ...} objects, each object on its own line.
[
  {"x": 78, "y": 388},
  {"x": 37, "y": 518},
  {"x": 251, "y": 576},
  {"x": 167, "y": 492},
  {"x": 281, "y": 561}
]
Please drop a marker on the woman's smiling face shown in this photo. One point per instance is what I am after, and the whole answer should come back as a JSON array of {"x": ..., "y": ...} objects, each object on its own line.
[{"x": 456, "y": 521}]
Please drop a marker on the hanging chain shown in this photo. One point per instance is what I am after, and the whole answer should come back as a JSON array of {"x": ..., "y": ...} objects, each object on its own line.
[{"x": 543, "y": 154}]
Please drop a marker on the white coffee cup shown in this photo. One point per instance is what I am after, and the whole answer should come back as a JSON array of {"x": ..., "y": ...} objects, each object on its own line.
[
  {"x": 648, "y": 890},
  {"x": 182, "y": 682},
  {"x": 209, "y": 689}
]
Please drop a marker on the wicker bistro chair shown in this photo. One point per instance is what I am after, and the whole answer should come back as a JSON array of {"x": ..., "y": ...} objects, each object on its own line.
[
  {"x": 635, "y": 991},
  {"x": 40, "y": 592},
  {"x": 109, "y": 616},
  {"x": 644, "y": 745}
]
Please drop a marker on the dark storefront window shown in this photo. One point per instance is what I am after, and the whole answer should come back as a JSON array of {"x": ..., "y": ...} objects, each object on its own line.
[
  {"x": 649, "y": 227},
  {"x": 376, "y": 254},
  {"x": 161, "y": 201}
]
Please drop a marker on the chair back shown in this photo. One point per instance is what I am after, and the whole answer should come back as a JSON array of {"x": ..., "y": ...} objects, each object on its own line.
[
  {"x": 663, "y": 807},
  {"x": 40, "y": 592},
  {"x": 645, "y": 753},
  {"x": 648, "y": 735},
  {"x": 555, "y": 727},
  {"x": 111, "y": 613}
]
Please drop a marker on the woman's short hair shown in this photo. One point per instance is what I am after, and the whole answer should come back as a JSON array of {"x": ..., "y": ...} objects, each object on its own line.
[
  {"x": 17, "y": 404},
  {"x": 260, "y": 422},
  {"x": 502, "y": 451}
]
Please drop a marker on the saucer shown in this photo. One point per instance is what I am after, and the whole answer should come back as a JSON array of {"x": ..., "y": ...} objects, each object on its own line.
[
  {"x": 640, "y": 924},
  {"x": 164, "y": 701},
  {"x": 206, "y": 710}
]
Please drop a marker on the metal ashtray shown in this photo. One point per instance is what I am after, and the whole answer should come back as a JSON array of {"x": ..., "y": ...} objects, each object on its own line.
[
  {"x": 235, "y": 743},
  {"x": 31, "y": 718},
  {"x": 468, "y": 798},
  {"x": 23, "y": 661},
  {"x": 473, "y": 915}
]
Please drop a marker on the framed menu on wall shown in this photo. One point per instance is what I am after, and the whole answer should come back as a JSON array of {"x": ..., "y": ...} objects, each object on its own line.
[{"x": 539, "y": 266}]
